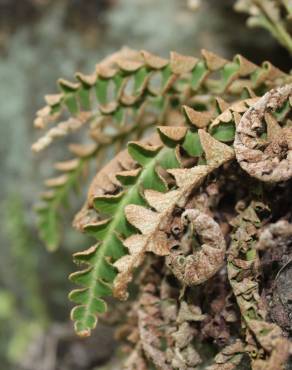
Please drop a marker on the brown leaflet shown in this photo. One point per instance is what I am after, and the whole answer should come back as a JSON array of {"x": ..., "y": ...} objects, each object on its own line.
[
  {"x": 233, "y": 112},
  {"x": 268, "y": 160},
  {"x": 197, "y": 118},
  {"x": 183, "y": 355},
  {"x": 199, "y": 265},
  {"x": 56, "y": 181},
  {"x": 65, "y": 166},
  {"x": 229, "y": 357},
  {"x": 43, "y": 116},
  {"x": 82, "y": 150}
]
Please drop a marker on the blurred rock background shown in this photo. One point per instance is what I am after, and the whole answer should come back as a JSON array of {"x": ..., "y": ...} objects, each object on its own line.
[{"x": 41, "y": 40}]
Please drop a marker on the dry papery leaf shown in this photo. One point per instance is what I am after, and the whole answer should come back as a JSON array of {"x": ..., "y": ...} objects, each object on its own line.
[
  {"x": 198, "y": 266},
  {"x": 268, "y": 159},
  {"x": 62, "y": 129}
]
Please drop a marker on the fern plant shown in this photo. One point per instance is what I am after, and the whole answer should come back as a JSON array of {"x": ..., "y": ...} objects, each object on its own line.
[{"x": 200, "y": 172}]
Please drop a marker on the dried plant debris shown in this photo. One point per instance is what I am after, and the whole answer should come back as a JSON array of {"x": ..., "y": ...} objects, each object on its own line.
[
  {"x": 169, "y": 330},
  {"x": 270, "y": 348},
  {"x": 188, "y": 215},
  {"x": 201, "y": 265},
  {"x": 274, "y": 244},
  {"x": 268, "y": 157}
]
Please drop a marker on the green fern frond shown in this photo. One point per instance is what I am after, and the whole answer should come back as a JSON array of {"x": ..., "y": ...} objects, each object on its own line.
[
  {"x": 130, "y": 85},
  {"x": 99, "y": 276},
  {"x": 57, "y": 196}
]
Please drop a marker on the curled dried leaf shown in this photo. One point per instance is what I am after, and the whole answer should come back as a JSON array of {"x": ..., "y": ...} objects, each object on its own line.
[
  {"x": 205, "y": 260},
  {"x": 266, "y": 159}
]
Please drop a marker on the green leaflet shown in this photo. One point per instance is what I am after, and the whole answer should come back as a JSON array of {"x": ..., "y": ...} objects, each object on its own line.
[
  {"x": 98, "y": 277},
  {"x": 110, "y": 92},
  {"x": 192, "y": 144},
  {"x": 48, "y": 224},
  {"x": 224, "y": 132},
  {"x": 48, "y": 212}
]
